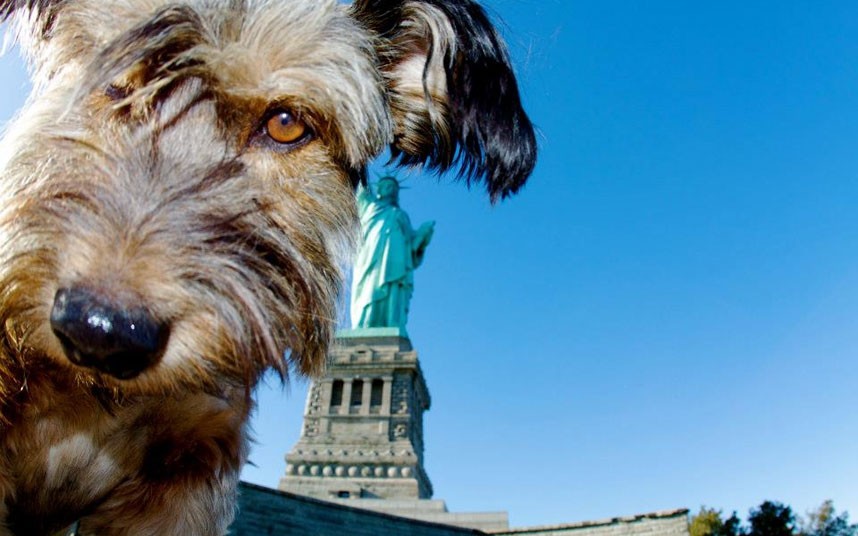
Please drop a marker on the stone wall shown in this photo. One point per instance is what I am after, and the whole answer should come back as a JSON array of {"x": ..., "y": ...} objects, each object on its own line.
[
  {"x": 264, "y": 512},
  {"x": 670, "y": 523}
]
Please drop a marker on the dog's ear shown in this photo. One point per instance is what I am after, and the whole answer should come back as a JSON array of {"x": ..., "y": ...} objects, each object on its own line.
[{"x": 452, "y": 92}]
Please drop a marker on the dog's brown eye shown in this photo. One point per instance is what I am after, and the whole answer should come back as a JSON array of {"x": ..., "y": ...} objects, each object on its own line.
[
  {"x": 116, "y": 92},
  {"x": 285, "y": 127}
]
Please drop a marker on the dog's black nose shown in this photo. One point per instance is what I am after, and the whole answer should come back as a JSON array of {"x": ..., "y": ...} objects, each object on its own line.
[{"x": 94, "y": 333}]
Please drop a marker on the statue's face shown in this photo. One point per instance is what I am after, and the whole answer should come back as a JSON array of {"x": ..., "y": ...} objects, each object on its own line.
[{"x": 388, "y": 189}]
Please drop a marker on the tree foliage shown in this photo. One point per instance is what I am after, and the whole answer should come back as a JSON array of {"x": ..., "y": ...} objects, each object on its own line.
[
  {"x": 771, "y": 519},
  {"x": 732, "y": 527},
  {"x": 825, "y": 521},
  {"x": 708, "y": 522}
]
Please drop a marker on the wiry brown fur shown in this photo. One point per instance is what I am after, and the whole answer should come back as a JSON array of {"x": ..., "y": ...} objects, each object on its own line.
[{"x": 140, "y": 170}]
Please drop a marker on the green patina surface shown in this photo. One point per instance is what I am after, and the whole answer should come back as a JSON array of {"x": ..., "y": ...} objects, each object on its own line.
[
  {"x": 390, "y": 250},
  {"x": 365, "y": 333}
]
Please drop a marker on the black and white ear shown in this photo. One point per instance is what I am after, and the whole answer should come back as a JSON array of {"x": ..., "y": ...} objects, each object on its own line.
[{"x": 452, "y": 92}]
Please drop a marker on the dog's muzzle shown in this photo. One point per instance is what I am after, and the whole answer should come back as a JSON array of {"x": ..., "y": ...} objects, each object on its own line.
[{"x": 119, "y": 341}]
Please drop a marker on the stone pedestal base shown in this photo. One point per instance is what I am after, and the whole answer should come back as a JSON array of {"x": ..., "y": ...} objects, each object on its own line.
[{"x": 363, "y": 424}]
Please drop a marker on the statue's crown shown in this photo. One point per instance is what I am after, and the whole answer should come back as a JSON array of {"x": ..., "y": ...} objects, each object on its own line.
[{"x": 388, "y": 177}]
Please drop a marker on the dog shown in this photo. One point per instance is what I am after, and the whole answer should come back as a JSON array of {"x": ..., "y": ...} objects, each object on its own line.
[{"x": 177, "y": 206}]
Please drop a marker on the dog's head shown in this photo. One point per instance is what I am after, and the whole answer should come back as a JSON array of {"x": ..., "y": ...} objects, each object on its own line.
[{"x": 177, "y": 195}]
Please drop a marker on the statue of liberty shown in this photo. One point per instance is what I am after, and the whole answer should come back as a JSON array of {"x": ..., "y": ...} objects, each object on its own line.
[{"x": 389, "y": 252}]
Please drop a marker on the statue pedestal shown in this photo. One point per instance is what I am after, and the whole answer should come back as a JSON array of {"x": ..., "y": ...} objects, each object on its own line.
[
  {"x": 372, "y": 336},
  {"x": 363, "y": 423},
  {"x": 362, "y": 442}
]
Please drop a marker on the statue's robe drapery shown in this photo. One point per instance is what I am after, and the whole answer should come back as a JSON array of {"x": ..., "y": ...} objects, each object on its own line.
[{"x": 383, "y": 279}]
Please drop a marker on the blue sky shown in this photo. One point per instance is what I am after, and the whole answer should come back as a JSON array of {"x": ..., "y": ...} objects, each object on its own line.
[{"x": 667, "y": 316}]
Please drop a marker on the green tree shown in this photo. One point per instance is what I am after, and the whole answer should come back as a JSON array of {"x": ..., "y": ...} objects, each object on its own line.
[
  {"x": 771, "y": 519},
  {"x": 825, "y": 521},
  {"x": 732, "y": 527},
  {"x": 708, "y": 522}
]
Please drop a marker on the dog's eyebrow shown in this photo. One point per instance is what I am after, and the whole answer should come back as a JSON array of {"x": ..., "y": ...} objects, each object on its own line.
[{"x": 162, "y": 47}]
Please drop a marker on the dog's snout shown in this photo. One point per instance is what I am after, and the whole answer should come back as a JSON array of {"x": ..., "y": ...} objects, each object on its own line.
[{"x": 120, "y": 341}]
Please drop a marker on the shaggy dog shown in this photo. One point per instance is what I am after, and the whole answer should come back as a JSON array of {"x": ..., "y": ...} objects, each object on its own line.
[{"x": 176, "y": 206}]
